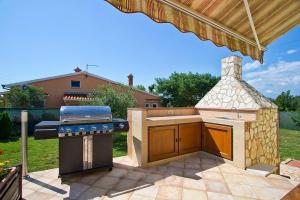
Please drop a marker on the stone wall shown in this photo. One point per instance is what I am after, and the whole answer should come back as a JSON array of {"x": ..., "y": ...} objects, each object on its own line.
[{"x": 262, "y": 139}]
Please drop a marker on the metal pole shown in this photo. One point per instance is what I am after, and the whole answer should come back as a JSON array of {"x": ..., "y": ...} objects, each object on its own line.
[{"x": 24, "y": 137}]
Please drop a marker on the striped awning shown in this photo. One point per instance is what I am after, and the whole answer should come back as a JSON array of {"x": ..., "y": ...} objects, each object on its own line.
[{"x": 247, "y": 26}]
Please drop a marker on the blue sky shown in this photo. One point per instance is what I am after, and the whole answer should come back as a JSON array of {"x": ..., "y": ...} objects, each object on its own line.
[{"x": 44, "y": 38}]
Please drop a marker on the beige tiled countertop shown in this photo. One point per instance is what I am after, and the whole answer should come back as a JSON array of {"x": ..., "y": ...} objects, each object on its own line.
[
  {"x": 166, "y": 120},
  {"x": 156, "y": 121}
]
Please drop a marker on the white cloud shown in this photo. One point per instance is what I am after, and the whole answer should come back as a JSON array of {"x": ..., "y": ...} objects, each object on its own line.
[
  {"x": 291, "y": 51},
  {"x": 269, "y": 91},
  {"x": 252, "y": 65},
  {"x": 278, "y": 77}
]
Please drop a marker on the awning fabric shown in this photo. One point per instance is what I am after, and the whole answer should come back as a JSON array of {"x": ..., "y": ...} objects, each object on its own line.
[{"x": 224, "y": 22}]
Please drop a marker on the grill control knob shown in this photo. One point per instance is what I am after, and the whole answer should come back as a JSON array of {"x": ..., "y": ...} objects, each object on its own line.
[
  {"x": 105, "y": 128},
  {"x": 81, "y": 129},
  {"x": 69, "y": 132},
  {"x": 121, "y": 125}
]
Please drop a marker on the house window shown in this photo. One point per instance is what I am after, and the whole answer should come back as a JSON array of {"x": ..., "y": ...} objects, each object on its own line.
[
  {"x": 154, "y": 105},
  {"x": 147, "y": 105},
  {"x": 75, "y": 84}
]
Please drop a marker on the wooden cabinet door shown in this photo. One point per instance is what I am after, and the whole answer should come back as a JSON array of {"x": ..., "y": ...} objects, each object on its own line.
[
  {"x": 217, "y": 139},
  {"x": 163, "y": 142},
  {"x": 189, "y": 137}
]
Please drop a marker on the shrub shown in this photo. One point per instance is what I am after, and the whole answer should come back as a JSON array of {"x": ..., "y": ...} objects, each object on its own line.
[
  {"x": 3, "y": 167},
  {"x": 5, "y": 125},
  {"x": 119, "y": 99}
]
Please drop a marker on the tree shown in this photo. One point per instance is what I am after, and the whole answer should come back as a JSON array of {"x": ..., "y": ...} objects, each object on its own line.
[
  {"x": 28, "y": 97},
  {"x": 119, "y": 99},
  {"x": 140, "y": 87},
  {"x": 286, "y": 102},
  {"x": 2, "y": 104},
  {"x": 184, "y": 89},
  {"x": 153, "y": 89}
]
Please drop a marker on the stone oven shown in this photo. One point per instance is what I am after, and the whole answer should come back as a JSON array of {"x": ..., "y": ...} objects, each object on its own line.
[
  {"x": 233, "y": 122},
  {"x": 232, "y": 93}
]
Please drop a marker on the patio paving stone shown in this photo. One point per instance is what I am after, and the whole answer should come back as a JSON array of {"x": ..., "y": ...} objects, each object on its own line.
[
  {"x": 212, "y": 176},
  {"x": 116, "y": 172},
  {"x": 192, "y": 173},
  {"x": 37, "y": 195},
  {"x": 216, "y": 186},
  {"x": 135, "y": 175},
  {"x": 192, "y": 159},
  {"x": 257, "y": 181},
  {"x": 146, "y": 189},
  {"x": 152, "y": 178},
  {"x": 93, "y": 193},
  {"x": 268, "y": 193},
  {"x": 194, "y": 184},
  {"x": 173, "y": 181},
  {"x": 107, "y": 182},
  {"x": 188, "y": 178},
  {"x": 235, "y": 178},
  {"x": 190, "y": 194},
  {"x": 218, "y": 196},
  {"x": 116, "y": 195},
  {"x": 140, "y": 197},
  {"x": 76, "y": 189},
  {"x": 242, "y": 190},
  {"x": 125, "y": 184},
  {"x": 169, "y": 192},
  {"x": 190, "y": 165},
  {"x": 281, "y": 183},
  {"x": 179, "y": 164}
]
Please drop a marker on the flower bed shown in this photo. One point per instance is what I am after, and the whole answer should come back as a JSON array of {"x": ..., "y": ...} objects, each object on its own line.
[{"x": 10, "y": 181}]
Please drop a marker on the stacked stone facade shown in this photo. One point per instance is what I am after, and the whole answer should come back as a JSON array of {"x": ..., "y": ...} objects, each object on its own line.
[
  {"x": 233, "y": 94},
  {"x": 262, "y": 139}
]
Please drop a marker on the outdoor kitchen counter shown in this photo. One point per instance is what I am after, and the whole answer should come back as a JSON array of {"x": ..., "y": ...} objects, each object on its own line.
[
  {"x": 141, "y": 120},
  {"x": 167, "y": 120}
]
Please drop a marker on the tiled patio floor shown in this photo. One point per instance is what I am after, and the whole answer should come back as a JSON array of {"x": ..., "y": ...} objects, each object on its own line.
[{"x": 196, "y": 177}]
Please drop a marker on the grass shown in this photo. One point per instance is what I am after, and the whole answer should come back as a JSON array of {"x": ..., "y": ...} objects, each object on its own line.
[
  {"x": 289, "y": 144},
  {"x": 43, "y": 154}
]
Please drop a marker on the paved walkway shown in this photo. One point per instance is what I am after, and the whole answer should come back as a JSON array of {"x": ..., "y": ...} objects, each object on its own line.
[{"x": 196, "y": 177}]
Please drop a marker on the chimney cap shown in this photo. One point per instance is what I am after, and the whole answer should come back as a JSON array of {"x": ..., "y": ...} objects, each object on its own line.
[
  {"x": 77, "y": 69},
  {"x": 130, "y": 75},
  {"x": 232, "y": 67}
]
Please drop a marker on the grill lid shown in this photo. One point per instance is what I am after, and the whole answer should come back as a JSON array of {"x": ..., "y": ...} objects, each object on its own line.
[{"x": 85, "y": 114}]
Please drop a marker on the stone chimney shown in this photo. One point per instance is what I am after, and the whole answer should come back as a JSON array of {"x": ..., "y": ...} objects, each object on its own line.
[
  {"x": 130, "y": 80},
  {"x": 232, "y": 67},
  {"x": 77, "y": 69}
]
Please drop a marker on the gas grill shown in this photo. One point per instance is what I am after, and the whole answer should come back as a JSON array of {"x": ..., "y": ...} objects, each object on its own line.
[{"x": 85, "y": 137}]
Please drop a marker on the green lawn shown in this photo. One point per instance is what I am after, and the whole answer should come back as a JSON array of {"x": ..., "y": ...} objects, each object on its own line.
[
  {"x": 43, "y": 154},
  {"x": 289, "y": 144}
]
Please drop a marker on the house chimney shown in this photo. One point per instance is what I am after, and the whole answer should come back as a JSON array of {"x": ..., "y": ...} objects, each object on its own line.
[
  {"x": 130, "y": 80},
  {"x": 77, "y": 69},
  {"x": 232, "y": 67}
]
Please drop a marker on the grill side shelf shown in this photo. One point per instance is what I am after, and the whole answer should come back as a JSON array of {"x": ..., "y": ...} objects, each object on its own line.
[{"x": 46, "y": 130}]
